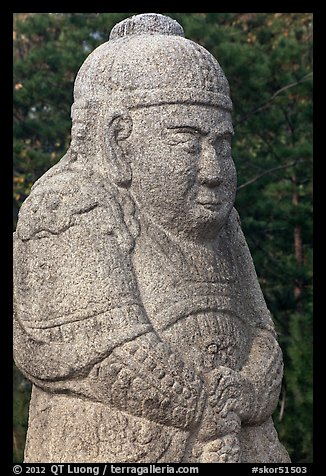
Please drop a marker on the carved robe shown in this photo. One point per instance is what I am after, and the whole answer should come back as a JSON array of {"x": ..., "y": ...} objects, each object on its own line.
[{"x": 118, "y": 339}]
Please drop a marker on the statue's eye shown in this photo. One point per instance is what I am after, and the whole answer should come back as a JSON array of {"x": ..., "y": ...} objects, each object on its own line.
[{"x": 182, "y": 135}]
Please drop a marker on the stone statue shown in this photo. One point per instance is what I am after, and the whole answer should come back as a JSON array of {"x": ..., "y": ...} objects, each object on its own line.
[{"x": 138, "y": 314}]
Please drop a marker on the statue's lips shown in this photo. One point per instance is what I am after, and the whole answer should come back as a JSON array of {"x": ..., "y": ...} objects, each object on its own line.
[{"x": 212, "y": 205}]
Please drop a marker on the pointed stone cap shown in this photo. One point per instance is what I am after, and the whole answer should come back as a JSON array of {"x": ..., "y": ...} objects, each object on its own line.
[
  {"x": 148, "y": 61},
  {"x": 146, "y": 24}
]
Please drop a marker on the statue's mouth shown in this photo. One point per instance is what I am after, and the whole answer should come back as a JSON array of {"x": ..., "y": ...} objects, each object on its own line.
[{"x": 213, "y": 205}]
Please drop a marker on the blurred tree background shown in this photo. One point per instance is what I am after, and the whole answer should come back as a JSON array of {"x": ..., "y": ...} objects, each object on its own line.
[{"x": 267, "y": 58}]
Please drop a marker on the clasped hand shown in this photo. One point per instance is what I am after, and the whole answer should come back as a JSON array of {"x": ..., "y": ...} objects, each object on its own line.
[{"x": 228, "y": 403}]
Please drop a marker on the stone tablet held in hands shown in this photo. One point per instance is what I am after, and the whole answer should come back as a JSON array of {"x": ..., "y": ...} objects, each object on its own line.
[{"x": 138, "y": 314}]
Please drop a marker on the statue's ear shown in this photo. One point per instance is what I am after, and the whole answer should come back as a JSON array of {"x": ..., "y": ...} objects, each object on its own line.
[{"x": 119, "y": 128}]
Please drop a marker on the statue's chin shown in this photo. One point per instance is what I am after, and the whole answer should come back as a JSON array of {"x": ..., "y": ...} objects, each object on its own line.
[
  {"x": 206, "y": 230},
  {"x": 208, "y": 220},
  {"x": 203, "y": 229},
  {"x": 203, "y": 223}
]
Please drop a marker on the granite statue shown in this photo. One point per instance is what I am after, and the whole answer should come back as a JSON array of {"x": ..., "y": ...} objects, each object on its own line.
[{"x": 138, "y": 316}]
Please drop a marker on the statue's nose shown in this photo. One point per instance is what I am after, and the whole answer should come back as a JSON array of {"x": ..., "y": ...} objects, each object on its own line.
[{"x": 209, "y": 170}]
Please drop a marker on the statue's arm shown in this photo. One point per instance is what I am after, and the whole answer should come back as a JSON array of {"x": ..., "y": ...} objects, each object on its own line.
[
  {"x": 80, "y": 326},
  {"x": 141, "y": 376},
  {"x": 264, "y": 371},
  {"x": 145, "y": 378}
]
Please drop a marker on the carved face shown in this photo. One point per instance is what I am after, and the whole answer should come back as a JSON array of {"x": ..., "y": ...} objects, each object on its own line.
[{"x": 183, "y": 175}]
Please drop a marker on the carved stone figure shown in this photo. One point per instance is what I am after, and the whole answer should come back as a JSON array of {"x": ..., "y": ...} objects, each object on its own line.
[{"x": 138, "y": 313}]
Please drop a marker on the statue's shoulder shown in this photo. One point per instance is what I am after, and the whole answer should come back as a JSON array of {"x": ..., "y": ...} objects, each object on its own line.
[
  {"x": 71, "y": 256},
  {"x": 59, "y": 201}
]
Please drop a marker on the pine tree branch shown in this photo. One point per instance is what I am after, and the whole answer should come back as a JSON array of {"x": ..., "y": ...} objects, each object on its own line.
[
  {"x": 271, "y": 99},
  {"x": 263, "y": 138},
  {"x": 269, "y": 171}
]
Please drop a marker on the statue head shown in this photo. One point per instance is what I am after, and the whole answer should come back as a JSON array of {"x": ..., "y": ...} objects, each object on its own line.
[{"x": 163, "y": 124}]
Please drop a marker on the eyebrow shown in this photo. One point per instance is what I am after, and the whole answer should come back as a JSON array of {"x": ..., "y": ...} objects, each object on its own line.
[{"x": 220, "y": 130}]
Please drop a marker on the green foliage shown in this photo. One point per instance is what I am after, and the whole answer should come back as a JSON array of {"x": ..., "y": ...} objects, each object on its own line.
[
  {"x": 267, "y": 58},
  {"x": 298, "y": 383}
]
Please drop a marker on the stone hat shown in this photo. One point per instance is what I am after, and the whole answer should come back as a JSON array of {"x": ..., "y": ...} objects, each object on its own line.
[{"x": 147, "y": 61}]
